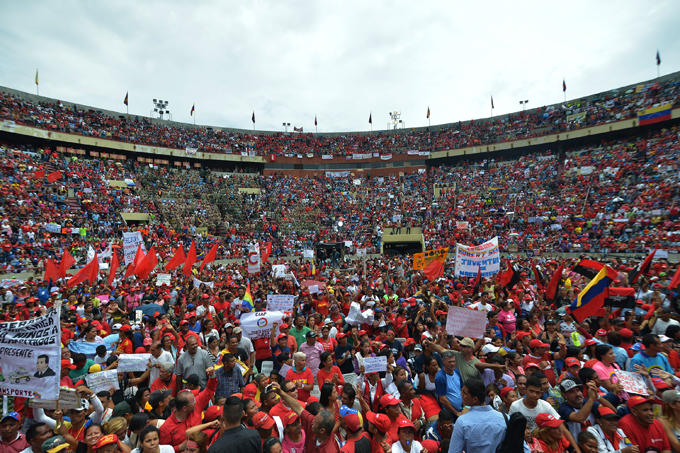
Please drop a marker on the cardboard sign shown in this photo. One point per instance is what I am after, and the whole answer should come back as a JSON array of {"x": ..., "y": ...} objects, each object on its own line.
[
  {"x": 68, "y": 399},
  {"x": 632, "y": 382},
  {"x": 375, "y": 364},
  {"x": 464, "y": 322},
  {"x": 133, "y": 362}
]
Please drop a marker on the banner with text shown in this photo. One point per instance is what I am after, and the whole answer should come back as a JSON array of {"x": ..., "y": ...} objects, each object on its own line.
[
  {"x": 469, "y": 259},
  {"x": 464, "y": 322},
  {"x": 420, "y": 260},
  {"x": 130, "y": 243},
  {"x": 283, "y": 302},
  {"x": 259, "y": 324}
]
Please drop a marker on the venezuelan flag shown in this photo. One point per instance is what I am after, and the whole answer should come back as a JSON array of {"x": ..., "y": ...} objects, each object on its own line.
[
  {"x": 247, "y": 302},
  {"x": 591, "y": 299},
  {"x": 655, "y": 114}
]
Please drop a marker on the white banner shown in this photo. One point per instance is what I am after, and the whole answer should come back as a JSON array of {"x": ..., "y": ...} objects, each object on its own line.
[
  {"x": 308, "y": 254},
  {"x": 198, "y": 283},
  {"x": 385, "y": 157},
  {"x": 130, "y": 243},
  {"x": 53, "y": 228},
  {"x": 337, "y": 174},
  {"x": 375, "y": 364},
  {"x": 464, "y": 322},
  {"x": 327, "y": 156},
  {"x": 253, "y": 258},
  {"x": 361, "y": 252},
  {"x": 133, "y": 362},
  {"x": 259, "y": 324},
  {"x": 163, "y": 279},
  {"x": 68, "y": 399},
  {"x": 469, "y": 259},
  {"x": 348, "y": 244},
  {"x": 280, "y": 302},
  {"x": 190, "y": 150},
  {"x": 279, "y": 270},
  {"x": 104, "y": 380},
  {"x": 356, "y": 317},
  {"x": 30, "y": 357}
]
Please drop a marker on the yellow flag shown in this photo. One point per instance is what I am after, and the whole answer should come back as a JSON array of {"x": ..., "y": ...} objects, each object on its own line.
[{"x": 36, "y": 76}]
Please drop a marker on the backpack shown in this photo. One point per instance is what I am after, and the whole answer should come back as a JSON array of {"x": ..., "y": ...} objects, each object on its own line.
[{"x": 514, "y": 434}]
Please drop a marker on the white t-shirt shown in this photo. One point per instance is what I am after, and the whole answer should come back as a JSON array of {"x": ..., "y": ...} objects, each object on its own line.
[
  {"x": 163, "y": 358},
  {"x": 416, "y": 447},
  {"x": 541, "y": 408},
  {"x": 163, "y": 449}
]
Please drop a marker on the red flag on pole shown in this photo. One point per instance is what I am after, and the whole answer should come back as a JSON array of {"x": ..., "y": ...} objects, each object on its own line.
[
  {"x": 476, "y": 284},
  {"x": 94, "y": 275},
  {"x": 54, "y": 176},
  {"x": 190, "y": 260},
  {"x": 434, "y": 270},
  {"x": 51, "y": 271},
  {"x": 640, "y": 269},
  {"x": 551, "y": 291},
  {"x": 39, "y": 174},
  {"x": 506, "y": 277},
  {"x": 177, "y": 259},
  {"x": 87, "y": 273},
  {"x": 66, "y": 262},
  {"x": 676, "y": 280},
  {"x": 149, "y": 263},
  {"x": 115, "y": 264},
  {"x": 210, "y": 257},
  {"x": 537, "y": 275},
  {"x": 267, "y": 252}
]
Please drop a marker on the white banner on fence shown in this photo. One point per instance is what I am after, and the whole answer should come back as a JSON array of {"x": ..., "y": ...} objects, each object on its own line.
[
  {"x": 469, "y": 259},
  {"x": 375, "y": 364},
  {"x": 30, "y": 357},
  {"x": 283, "y": 302},
  {"x": 163, "y": 279},
  {"x": 130, "y": 243},
  {"x": 103, "y": 381},
  {"x": 133, "y": 362},
  {"x": 464, "y": 322},
  {"x": 68, "y": 399},
  {"x": 259, "y": 324}
]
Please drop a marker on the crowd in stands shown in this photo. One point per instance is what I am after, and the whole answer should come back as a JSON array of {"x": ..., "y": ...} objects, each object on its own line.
[{"x": 601, "y": 109}]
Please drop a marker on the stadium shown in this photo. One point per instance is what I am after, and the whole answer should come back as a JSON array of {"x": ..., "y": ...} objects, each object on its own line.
[{"x": 504, "y": 283}]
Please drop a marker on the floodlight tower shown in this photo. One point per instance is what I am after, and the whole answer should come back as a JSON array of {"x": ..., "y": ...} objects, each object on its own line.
[{"x": 161, "y": 108}]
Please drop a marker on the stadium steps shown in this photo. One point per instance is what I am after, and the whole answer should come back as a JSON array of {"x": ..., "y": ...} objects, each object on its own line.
[{"x": 73, "y": 203}]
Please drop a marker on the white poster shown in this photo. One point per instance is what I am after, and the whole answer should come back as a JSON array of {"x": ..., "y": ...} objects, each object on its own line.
[
  {"x": 375, "y": 364},
  {"x": 469, "y": 259},
  {"x": 661, "y": 254},
  {"x": 464, "y": 322},
  {"x": 313, "y": 289},
  {"x": 348, "y": 244},
  {"x": 163, "y": 279},
  {"x": 68, "y": 399},
  {"x": 280, "y": 302},
  {"x": 308, "y": 254},
  {"x": 253, "y": 258},
  {"x": 361, "y": 252},
  {"x": 279, "y": 270},
  {"x": 104, "y": 380},
  {"x": 259, "y": 324},
  {"x": 133, "y": 362},
  {"x": 30, "y": 357},
  {"x": 198, "y": 283},
  {"x": 356, "y": 317},
  {"x": 130, "y": 243}
]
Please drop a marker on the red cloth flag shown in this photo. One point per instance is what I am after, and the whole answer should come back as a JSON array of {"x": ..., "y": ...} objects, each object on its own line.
[
  {"x": 87, "y": 273},
  {"x": 115, "y": 264},
  {"x": 66, "y": 262},
  {"x": 434, "y": 270},
  {"x": 149, "y": 263},
  {"x": 676, "y": 280},
  {"x": 39, "y": 174},
  {"x": 267, "y": 252},
  {"x": 177, "y": 259},
  {"x": 190, "y": 260},
  {"x": 537, "y": 275},
  {"x": 54, "y": 176},
  {"x": 477, "y": 282},
  {"x": 51, "y": 271},
  {"x": 210, "y": 257},
  {"x": 551, "y": 291},
  {"x": 94, "y": 274},
  {"x": 139, "y": 256},
  {"x": 507, "y": 275},
  {"x": 641, "y": 269}
]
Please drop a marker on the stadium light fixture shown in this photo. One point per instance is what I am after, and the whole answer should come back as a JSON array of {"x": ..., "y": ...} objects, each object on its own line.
[
  {"x": 394, "y": 116},
  {"x": 524, "y": 104},
  {"x": 161, "y": 108},
  {"x": 286, "y": 126}
]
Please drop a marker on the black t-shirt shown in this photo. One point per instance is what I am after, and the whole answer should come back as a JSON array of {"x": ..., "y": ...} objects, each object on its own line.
[
  {"x": 348, "y": 366},
  {"x": 395, "y": 346}
]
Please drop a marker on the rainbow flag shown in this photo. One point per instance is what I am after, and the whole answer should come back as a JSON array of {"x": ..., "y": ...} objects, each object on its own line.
[
  {"x": 247, "y": 301},
  {"x": 655, "y": 114},
  {"x": 591, "y": 299}
]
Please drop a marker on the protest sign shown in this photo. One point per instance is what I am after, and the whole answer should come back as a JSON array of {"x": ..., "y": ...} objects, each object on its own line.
[
  {"x": 279, "y": 270},
  {"x": 464, "y": 322},
  {"x": 284, "y": 370},
  {"x": 198, "y": 283},
  {"x": 420, "y": 260},
  {"x": 661, "y": 254},
  {"x": 356, "y": 317},
  {"x": 163, "y": 279},
  {"x": 470, "y": 259},
  {"x": 462, "y": 225},
  {"x": 139, "y": 315},
  {"x": 632, "y": 382},
  {"x": 53, "y": 228},
  {"x": 313, "y": 289},
  {"x": 308, "y": 254},
  {"x": 30, "y": 357},
  {"x": 68, "y": 399},
  {"x": 102, "y": 381},
  {"x": 133, "y": 362},
  {"x": 282, "y": 303},
  {"x": 130, "y": 243},
  {"x": 259, "y": 324},
  {"x": 375, "y": 364},
  {"x": 361, "y": 252},
  {"x": 253, "y": 259}
]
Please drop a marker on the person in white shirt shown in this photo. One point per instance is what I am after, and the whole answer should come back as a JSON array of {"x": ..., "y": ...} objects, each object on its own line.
[
  {"x": 663, "y": 322},
  {"x": 406, "y": 443},
  {"x": 483, "y": 303},
  {"x": 158, "y": 356}
]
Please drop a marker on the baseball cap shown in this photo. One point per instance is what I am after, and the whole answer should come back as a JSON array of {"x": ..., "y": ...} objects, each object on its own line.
[
  {"x": 282, "y": 335},
  {"x": 467, "y": 342},
  {"x": 505, "y": 391},
  {"x": 147, "y": 341},
  {"x": 604, "y": 412},
  {"x": 660, "y": 384},
  {"x": 106, "y": 440},
  {"x": 312, "y": 335},
  {"x": 120, "y": 409},
  {"x": 236, "y": 331},
  {"x": 212, "y": 413},
  {"x": 405, "y": 423},
  {"x": 125, "y": 328},
  {"x": 284, "y": 326},
  {"x": 290, "y": 418},
  {"x": 13, "y": 415},
  {"x": 352, "y": 418},
  {"x": 54, "y": 444},
  {"x": 665, "y": 339},
  {"x": 490, "y": 349},
  {"x": 262, "y": 420},
  {"x": 116, "y": 326},
  {"x": 67, "y": 364},
  {"x": 504, "y": 351},
  {"x": 571, "y": 361},
  {"x": 157, "y": 396},
  {"x": 670, "y": 396},
  {"x": 389, "y": 400},
  {"x": 635, "y": 400},
  {"x": 192, "y": 380},
  {"x": 536, "y": 343},
  {"x": 340, "y": 335},
  {"x": 96, "y": 368},
  {"x": 626, "y": 333},
  {"x": 381, "y": 421},
  {"x": 430, "y": 445},
  {"x": 522, "y": 334},
  {"x": 250, "y": 391},
  {"x": 601, "y": 333},
  {"x": 568, "y": 384},
  {"x": 544, "y": 420}
]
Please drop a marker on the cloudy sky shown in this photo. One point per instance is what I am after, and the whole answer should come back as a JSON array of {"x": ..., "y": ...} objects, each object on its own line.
[{"x": 289, "y": 61}]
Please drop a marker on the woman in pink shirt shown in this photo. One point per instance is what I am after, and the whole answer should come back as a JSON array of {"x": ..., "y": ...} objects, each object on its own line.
[
  {"x": 606, "y": 368},
  {"x": 506, "y": 317}
]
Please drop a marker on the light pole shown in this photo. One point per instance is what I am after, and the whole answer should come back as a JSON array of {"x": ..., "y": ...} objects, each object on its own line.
[
  {"x": 394, "y": 116},
  {"x": 524, "y": 104},
  {"x": 161, "y": 108},
  {"x": 285, "y": 126}
]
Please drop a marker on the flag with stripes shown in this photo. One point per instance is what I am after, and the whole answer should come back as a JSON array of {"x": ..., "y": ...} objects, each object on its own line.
[
  {"x": 193, "y": 108},
  {"x": 125, "y": 101},
  {"x": 491, "y": 101},
  {"x": 564, "y": 85},
  {"x": 658, "y": 62},
  {"x": 253, "y": 118},
  {"x": 370, "y": 118},
  {"x": 428, "y": 112}
]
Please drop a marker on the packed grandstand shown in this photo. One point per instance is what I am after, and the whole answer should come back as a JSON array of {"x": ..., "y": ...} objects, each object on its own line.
[{"x": 559, "y": 215}]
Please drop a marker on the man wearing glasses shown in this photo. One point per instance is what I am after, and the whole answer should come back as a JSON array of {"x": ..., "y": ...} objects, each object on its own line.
[{"x": 281, "y": 410}]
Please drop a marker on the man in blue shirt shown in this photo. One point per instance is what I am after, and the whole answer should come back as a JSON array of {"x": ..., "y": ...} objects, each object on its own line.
[
  {"x": 482, "y": 429},
  {"x": 651, "y": 357},
  {"x": 448, "y": 383}
]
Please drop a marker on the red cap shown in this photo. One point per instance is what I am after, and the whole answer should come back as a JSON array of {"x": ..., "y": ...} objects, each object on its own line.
[
  {"x": 544, "y": 420},
  {"x": 660, "y": 384},
  {"x": 405, "y": 423},
  {"x": 107, "y": 440},
  {"x": 626, "y": 333},
  {"x": 140, "y": 350},
  {"x": 571, "y": 361},
  {"x": 536, "y": 343},
  {"x": 125, "y": 328},
  {"x": 410, "y": 342},
  {"x": 212, "y": 413},
  {"x": 504, "y": 393},
  {"x": 590, "y": 342},
  {"x": 284, "y": 326},
  {"x": 282, "y": 335},
  {"x": 430, "y": 445},
  {"x": 521, "y": 334},
  {"x": 381, "y": 421},
  {"x": 389, "y": 400},
  {"x": 635, "y": 400},
  {"x": 290, "y": 418},
  {"x": 312, "y": 399},
  {"x": 361, "y": 332},
  {"x": 184, "y": 321},
  {"x": 339, "y": 335},
  {"x": 353, "y": 422},
  {"x": 590, "y": 363},
  {"x": 250, "y": 391},
  {"x": 67, "y": 364},
  {"x": 601, "y": 333},
  {"x": 262, "y": 420},
  {"x": 604, "y": 412}
]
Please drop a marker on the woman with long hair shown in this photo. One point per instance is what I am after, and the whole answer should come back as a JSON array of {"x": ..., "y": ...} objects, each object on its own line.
[
  {"x": 364, "y": 350},
  {"x": 207, "y": 330},
  {"x": 514, "y": 362},
  {"x": 293, "y": 434},
  {"x": 198, "y": 443},
  {"x": 272, "y": 445},
  {"x": 126, "y": 339},
  {"x": 328, "y": 343},
  {"x": 549, "y": 434},
  {"x": 169, "y": 344},
  {"x": 671, "y": 417},
  {"x": 328, "y": 372},
  {"x": 213, "y": 348},
  {"x": 427, "y": 390},
  {"x": 149, "y": 442},
  {"x": 142, "y": 397},
  {"x": 249, "y": 410},
  {"x": 329, "y": 400},
  {"x": 117, "y": 426},
  {"x": 606, "y": 367},
  {"x": 90, "y": 336},
  {"x": 524, "y": 326}
]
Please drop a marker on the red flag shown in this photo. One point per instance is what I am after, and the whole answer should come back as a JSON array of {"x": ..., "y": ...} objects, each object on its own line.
[
  {"x": 210, "y": 257},
  {"x": 267, "y": 252},
  {"x": 551, "y": 291},
  {"x": 537, "y": 275},
  {"x": 94, "y": 274},
  {"x": 51, "y": 271},
  {"x": 507, "y": 275},
  {"x": 146, "y": 265},
  {"x": 54, "y": 176},
  {"x": 86, "y": 273},
  {"x": 190, "y": 260},
  {"x": 177, "y": 259},
  {"x": 476, "y": 283},
  {"x": 640, "y": 269},
  {"x": 676, "y": 280},
  {"x": 434, "y": 270},
  {"x": 115, "y": 264},
  {"x": 139, "y": 256},
  {"x": 39, "y": 174},
  {"x": 66, "y": 262}
]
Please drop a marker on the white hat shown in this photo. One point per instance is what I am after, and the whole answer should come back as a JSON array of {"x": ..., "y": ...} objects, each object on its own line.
[
  {"x": 116, "y": 326},
  {"x": 664, "y": 338},
  {"x": 489, "y": 348}
]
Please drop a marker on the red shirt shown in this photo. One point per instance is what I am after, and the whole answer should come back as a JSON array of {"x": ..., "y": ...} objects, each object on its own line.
[
  {"x": 328, "y": 346},
  {"x": 394, "y": 428},
  {"x": 549, "y": 371},
  {"x": 305, "y": 378},
  {"x": 322, "y": 377},
  {"x": 652, "y": 436},
  {"x": 158, "y": 384},
  {"x": 330, "y": 445},
  {"x": 14, "y": 446},
  {"x": 262, "y": 347}
]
